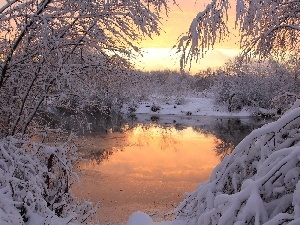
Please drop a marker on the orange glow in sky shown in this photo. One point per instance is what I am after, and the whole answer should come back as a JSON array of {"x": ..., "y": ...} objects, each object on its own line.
[{"x": 158, "y": 53}]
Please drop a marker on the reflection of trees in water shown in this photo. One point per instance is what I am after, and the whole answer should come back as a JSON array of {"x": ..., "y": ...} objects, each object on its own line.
[
  {"x": 87, "y": 122},
  {"x": 229, "y": 132},
  {"x": 223, "y": 148},
  {"x": 150, "y": 132},
  {"x": 179, "y": 126},
  {"x": 99, "y": 156},
  {"x": 157, "y": 132}
]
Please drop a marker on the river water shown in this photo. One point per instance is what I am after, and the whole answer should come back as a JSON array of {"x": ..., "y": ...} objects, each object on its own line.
[{"x": 148, "y": 163}]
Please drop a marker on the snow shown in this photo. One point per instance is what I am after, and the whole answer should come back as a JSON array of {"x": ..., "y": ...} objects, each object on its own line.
[
  {"x": 33, "y": 180},
  {"x": 191, "y": 106},
  {"x": 140, "y": 218}
]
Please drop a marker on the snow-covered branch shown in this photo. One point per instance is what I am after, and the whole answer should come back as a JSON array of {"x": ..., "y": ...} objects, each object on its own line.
[
  {"x": 206, "y": 29},
  {"x": 267, "y": 27}
]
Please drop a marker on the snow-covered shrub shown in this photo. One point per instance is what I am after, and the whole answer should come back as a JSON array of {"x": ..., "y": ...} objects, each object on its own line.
[
  {"x": 203, "y": 80},
  {"x": 283, "y": 101},
  {"x": 155, "y": 108},
  {"x": 258, "y": 183},
  {"x": 237, "y": 91},
  {"x": 253, "y": 84},
  {"x": 101, "y": 86},
  {"x": 179, "y": 101},
  {"x": 132, "y": 106},
  {"x": 164, "y": 85},
  {"x": 35, "y": 182}
]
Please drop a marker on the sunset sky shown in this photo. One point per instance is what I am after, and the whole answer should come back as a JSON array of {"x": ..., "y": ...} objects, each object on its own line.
[{"x": 157, "y": 53}]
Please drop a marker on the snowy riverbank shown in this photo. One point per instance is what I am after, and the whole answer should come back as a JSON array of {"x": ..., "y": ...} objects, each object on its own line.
[{"x": 191, "y": 106}]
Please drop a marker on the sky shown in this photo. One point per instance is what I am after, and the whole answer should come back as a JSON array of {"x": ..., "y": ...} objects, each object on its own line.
[{"x": 158, "y": 53}]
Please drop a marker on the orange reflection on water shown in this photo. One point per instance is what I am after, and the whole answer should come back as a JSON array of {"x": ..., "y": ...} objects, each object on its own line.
[
  {"x": 159, "y": 154},
  {"x": 151, "y": 172}
]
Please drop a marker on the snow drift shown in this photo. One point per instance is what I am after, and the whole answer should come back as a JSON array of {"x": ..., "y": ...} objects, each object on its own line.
[{"x": 257, "y": 184}]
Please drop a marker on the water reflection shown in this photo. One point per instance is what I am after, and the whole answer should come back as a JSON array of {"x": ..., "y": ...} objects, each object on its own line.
[
  {"x": 151, "y": 172},
  {"x": 150, "y": 164},
  {"x": 230, "y": 131},
  {"x": 82, "y": 123},
  {"x": 156, "y": 152},
  {"x": 99, "y": 156}
]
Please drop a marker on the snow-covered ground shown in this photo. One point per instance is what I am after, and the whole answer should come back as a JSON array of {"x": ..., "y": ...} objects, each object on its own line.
[
  {"x": 140, "y": 218},
  {"x": 189, "y": 106}
]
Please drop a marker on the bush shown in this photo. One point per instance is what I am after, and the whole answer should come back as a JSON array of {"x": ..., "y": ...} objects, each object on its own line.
[
  {"x": 35, "y": 182},
  {"x": 155, "y": 108},
  {"x": 256, "y": 85}
]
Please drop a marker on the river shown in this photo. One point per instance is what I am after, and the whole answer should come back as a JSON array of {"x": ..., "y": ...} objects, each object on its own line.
[{"x": 148, "y": 163}]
